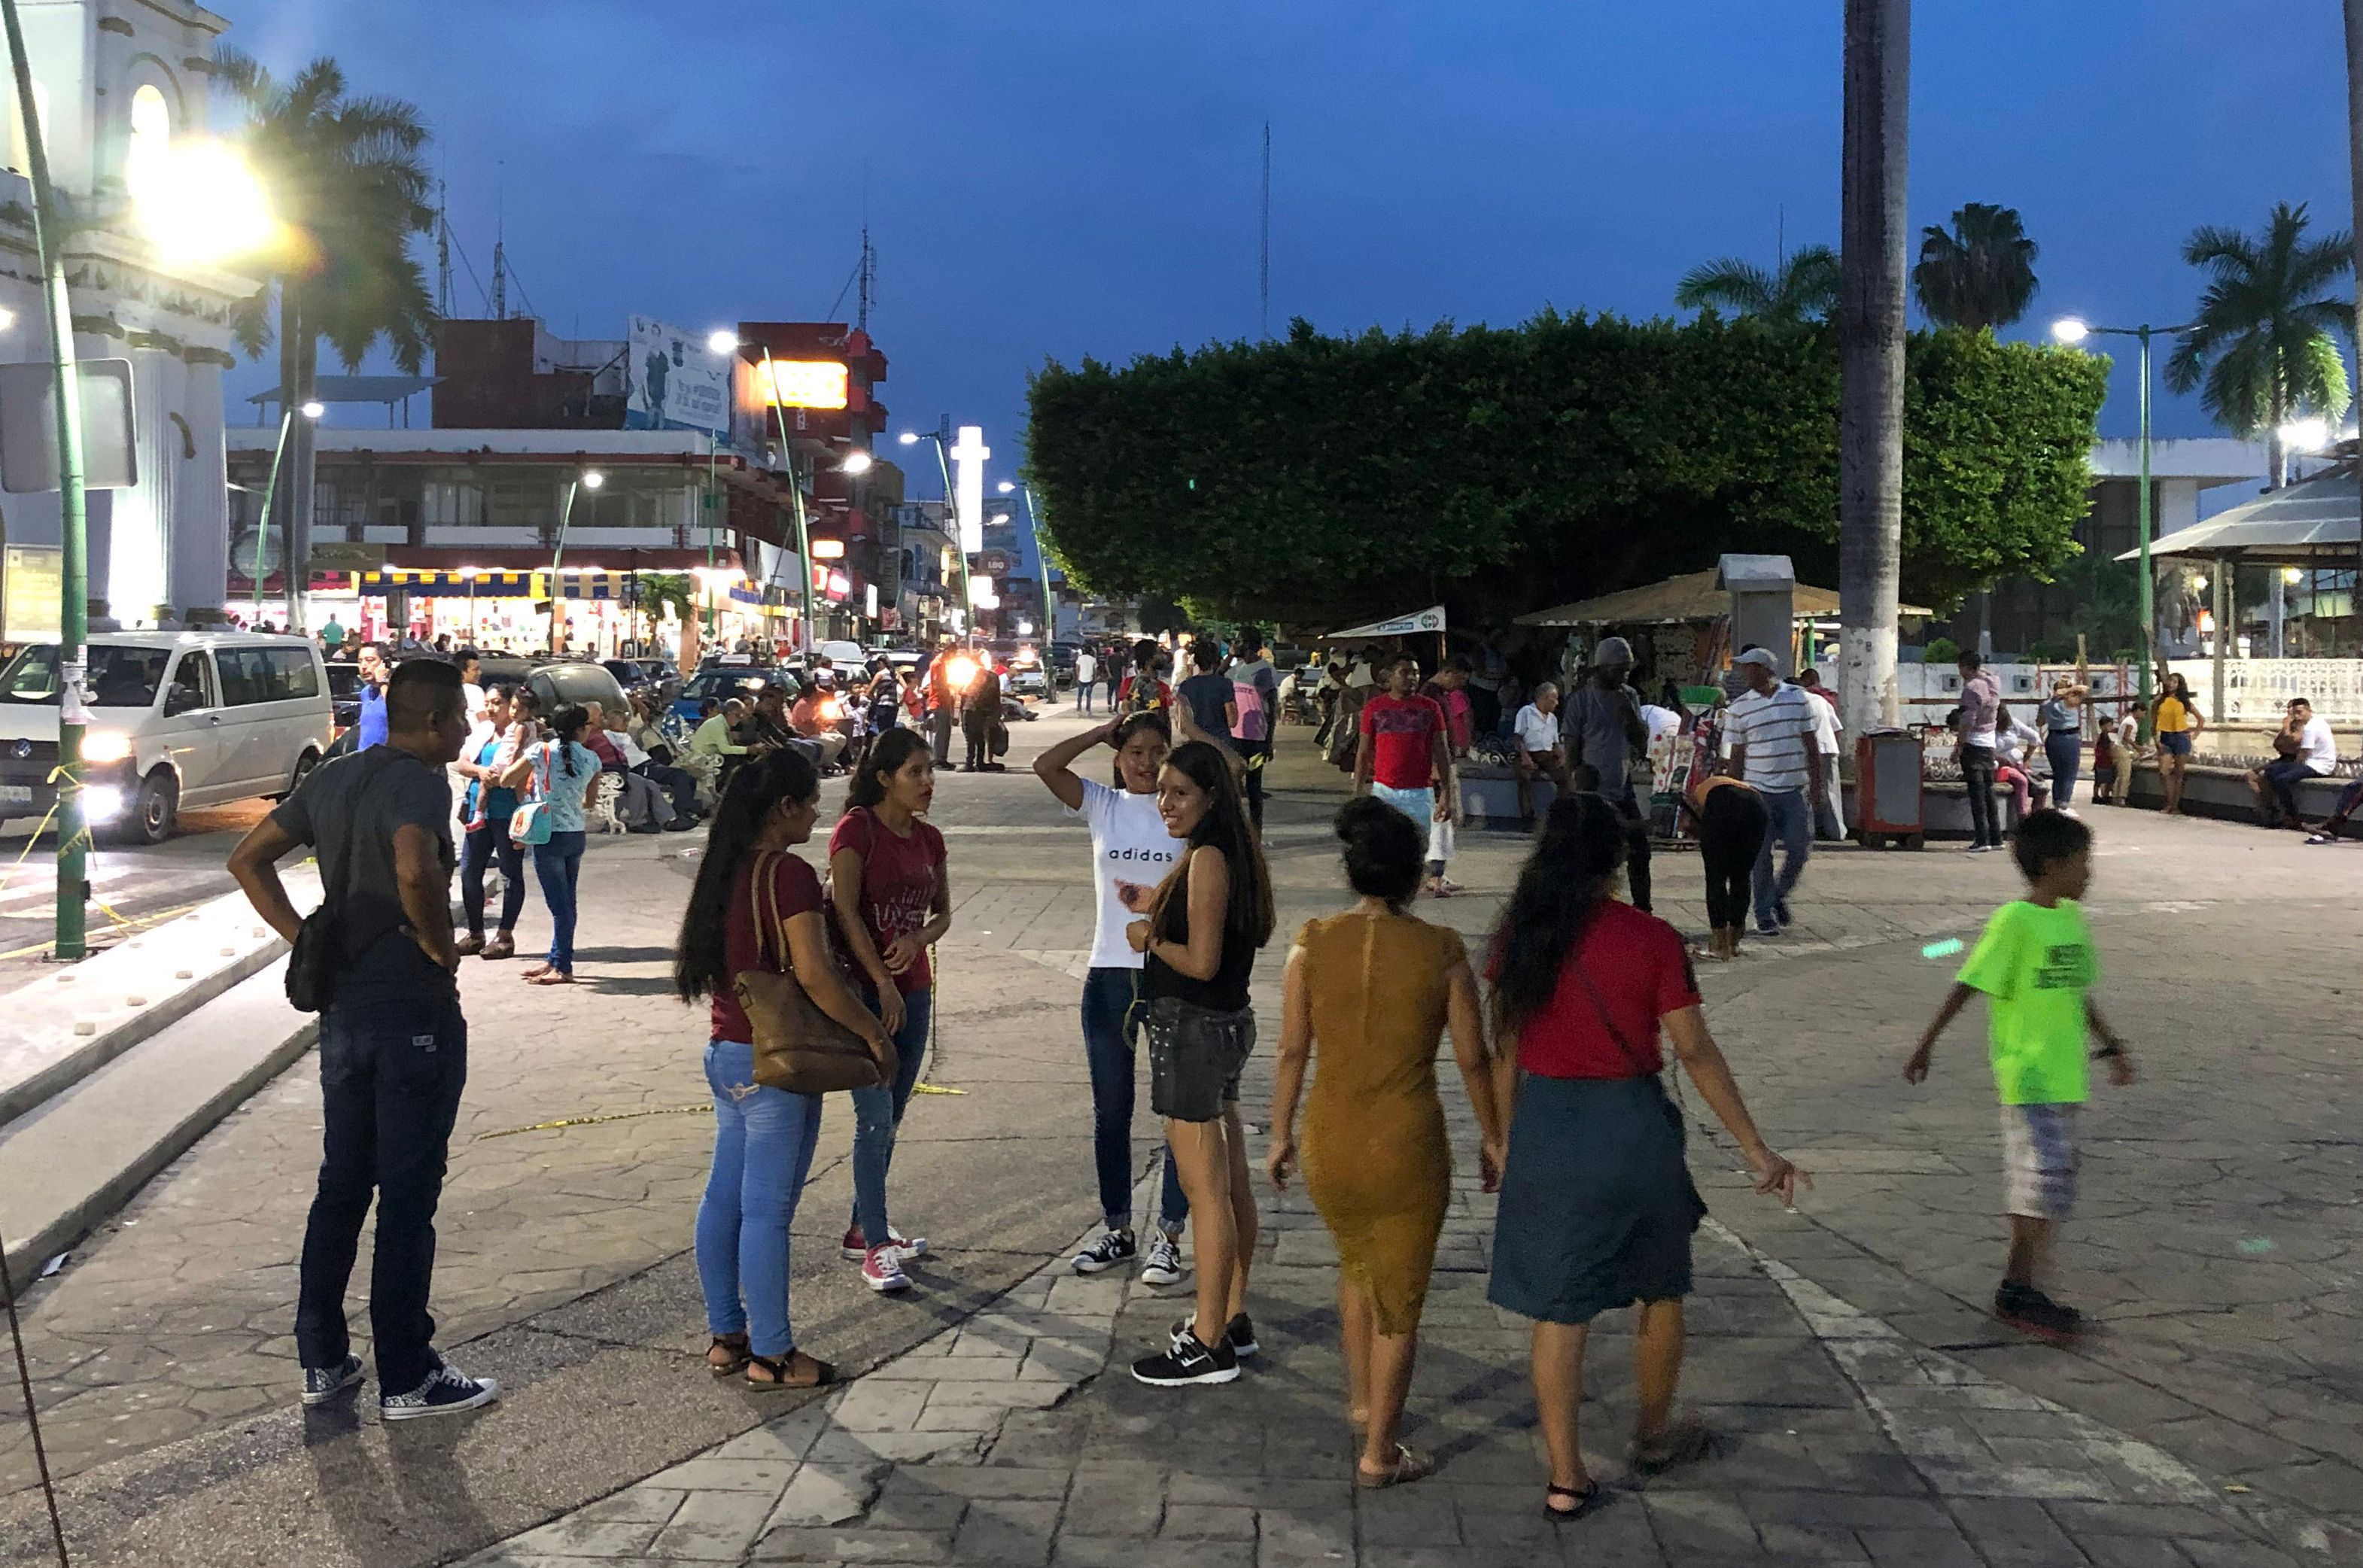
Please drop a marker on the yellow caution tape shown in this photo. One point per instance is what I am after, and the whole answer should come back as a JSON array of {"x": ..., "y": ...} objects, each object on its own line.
[
  {"x": 594, "y": 1121},
  {"x": 923, "y": 1088}
]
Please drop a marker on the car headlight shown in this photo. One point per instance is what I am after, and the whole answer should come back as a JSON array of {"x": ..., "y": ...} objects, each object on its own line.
[
  {"x": 106, "y": 745},
  {"x": 101, "y": 803}
]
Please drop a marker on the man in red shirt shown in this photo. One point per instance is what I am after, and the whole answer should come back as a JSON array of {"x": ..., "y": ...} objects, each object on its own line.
[{"x": 1407, "y": 759}]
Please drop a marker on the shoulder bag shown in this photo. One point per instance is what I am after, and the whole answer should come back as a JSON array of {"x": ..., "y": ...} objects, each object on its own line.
[
  {"x": 317, "y": 954},
  {"x": 529, "y": 824},
  {"x": 798, "y": 1047}
]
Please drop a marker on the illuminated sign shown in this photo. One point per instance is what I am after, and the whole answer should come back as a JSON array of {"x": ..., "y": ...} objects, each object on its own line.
[
  {"x": 968, "y": 455},
  {"x": 805, "y": 384},
  {"x": 828, "y": 550}
]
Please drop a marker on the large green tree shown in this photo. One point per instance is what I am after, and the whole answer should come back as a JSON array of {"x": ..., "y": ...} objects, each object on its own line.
[
  {"x": 2263, "y": 351},
  {"x": 1802, "y": 288},
  {"x": 1327, "y": 480},
  {"x": 349, "y": 176},
  {"x": 1978, "y": 273}
]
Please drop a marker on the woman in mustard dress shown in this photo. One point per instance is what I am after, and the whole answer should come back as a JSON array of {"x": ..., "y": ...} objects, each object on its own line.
[{"x": 1377, "y": 987}]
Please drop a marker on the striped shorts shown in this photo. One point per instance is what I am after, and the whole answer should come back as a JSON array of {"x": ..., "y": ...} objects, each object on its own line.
[{"x": 2039, "y": 1160}]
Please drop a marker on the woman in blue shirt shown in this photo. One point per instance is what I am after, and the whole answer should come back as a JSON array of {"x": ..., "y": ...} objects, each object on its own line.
[{"x": 560, "y": 771}]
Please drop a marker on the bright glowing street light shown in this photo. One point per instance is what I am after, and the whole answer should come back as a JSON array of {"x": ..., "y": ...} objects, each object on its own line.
[
  {"x": 315, "y": 409},
  {"x": 908, "y": 438},
  {"x": 589, "y": 479},
  {"x": 2068, "y": 329},
  {"x": 855, "y": 463},
  {"x": 198, "y": 200},
  {"x": 2308, "y": 434},
  {"x": 593, "y": 479},
  {"x": 721, "y": 341},
  {"x": 1005, "y": 486}
]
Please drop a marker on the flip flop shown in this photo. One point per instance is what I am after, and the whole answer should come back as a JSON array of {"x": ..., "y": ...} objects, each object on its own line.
[
  {"x": 735, "y": 1345},
  {"x": 551, "y": 977},
  {"x": 824, "y": 1374}
]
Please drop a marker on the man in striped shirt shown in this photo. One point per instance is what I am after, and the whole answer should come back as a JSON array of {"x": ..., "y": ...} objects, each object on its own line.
[{"x": 1768, "y": 735}]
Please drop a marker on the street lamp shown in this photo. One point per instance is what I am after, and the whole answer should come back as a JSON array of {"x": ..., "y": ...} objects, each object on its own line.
[
  {"x": 262, "y": 526},
  {"x": 942, "y": 442},
  {"x": 856, "y": 463},
  {"x": 722, "y": 341},
  {"x": 591, "y": 480},
  {"x": 2070, "y": 330}
]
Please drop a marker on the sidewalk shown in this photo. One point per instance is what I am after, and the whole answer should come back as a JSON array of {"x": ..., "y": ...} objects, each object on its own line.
[{"x": 1020, "y": 1438}]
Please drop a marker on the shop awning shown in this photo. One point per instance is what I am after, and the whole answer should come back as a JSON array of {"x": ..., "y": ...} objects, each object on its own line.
[
  {"x": 1404, "y": 625},
  {"x": 596, "y": 585}
]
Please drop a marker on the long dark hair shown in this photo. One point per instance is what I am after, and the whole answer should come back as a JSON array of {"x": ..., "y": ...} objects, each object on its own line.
[
  {"x": 885, "y": 760},
  {"x": 1132, "y": 726},
  {"x": 1247, "y": 916},
  {"x": 701, "y": 956},
  {"x": 568, "y": 724},
  {"x": 1565, "y": 881}
]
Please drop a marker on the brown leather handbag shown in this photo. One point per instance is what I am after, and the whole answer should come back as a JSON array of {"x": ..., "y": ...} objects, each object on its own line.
[{"x": 798, "y": 1047}]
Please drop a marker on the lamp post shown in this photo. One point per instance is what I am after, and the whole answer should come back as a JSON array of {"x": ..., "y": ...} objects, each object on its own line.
[
  {"x": 589, "y": 479},
  {"x": 725, "y": 342},
  {"x": 270, "y": 487},
  {"x": 941, "y": 439},
  {"x": 1041, "y": 566},
  {"x": 2071, "y": 331}
]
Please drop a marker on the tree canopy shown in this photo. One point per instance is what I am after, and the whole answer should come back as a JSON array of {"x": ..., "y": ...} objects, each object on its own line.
[
  {"x": 1504, "y": 468},
  {"x": 1978, "y": 273},
  {"x": 1803, "y": 287}
]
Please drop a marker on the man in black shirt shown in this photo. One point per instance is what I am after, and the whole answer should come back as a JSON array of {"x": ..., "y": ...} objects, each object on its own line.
[{"x": 393, "y": 1046}]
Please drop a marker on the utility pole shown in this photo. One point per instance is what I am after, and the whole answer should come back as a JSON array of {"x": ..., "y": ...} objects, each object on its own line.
[
  {"x": 2355, "y": 183},
  {"x": 1263, "y": 271}
]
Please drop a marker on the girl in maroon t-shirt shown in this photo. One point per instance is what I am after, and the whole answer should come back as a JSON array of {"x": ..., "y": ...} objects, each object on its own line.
[
  {"x": 893, "y": 901},
  {"x": 1597, "y": 1206},
  {"x": 764, "y": 1137}
]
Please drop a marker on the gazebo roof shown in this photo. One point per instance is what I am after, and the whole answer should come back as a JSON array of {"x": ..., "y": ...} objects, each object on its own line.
[
  {"x": 1692, "y": 596},
  {"x": 2313, "y": 522}
]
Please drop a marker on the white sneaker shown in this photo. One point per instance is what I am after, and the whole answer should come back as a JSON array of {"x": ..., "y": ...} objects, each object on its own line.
[{"x": 1164, "y": 1264}]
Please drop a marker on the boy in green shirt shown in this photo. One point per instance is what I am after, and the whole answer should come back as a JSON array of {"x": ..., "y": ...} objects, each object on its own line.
[{"x": 2034, "y": 964}]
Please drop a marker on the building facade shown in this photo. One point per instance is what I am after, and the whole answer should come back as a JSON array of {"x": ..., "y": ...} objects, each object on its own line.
[{"x": 118, "y": 83}]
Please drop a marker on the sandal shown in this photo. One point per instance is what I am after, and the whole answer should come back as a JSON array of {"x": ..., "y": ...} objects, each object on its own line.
[
  {"x": 734, "y": 1356},
  {"x": 1586, "y": 1499},
  {"x": 536, "y": 973},
  {"x": 469, "y": 945},
  {"x": 1410, "y": 1465},
  {"x": 551, "y": 977},
  {"x": 502, "y": 945},
  {"x": 775, "y": 1367},
  {"x": 1684, "y": 1439}
]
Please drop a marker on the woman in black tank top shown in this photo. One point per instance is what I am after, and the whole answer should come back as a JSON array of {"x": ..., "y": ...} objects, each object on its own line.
[{"x": 1199, "y": 931}]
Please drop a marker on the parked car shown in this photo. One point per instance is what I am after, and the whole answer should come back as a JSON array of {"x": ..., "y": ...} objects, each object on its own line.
[
  {"x": 731, "y": 675},
  {"x": 177, "y": 719},
  {"x": 555, "y": 685}
]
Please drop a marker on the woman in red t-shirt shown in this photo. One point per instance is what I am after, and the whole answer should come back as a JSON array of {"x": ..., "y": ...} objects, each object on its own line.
[
  {"x": 764, "y": 1137},
  {"x": 1597, "y": 1205},
  {"x": 892, "y": 902}
]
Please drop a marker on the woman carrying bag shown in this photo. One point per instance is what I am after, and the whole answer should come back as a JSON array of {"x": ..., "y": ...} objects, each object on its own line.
[
  {"x": 560, "y": 771},
  {"x": 755, "y": 914}
]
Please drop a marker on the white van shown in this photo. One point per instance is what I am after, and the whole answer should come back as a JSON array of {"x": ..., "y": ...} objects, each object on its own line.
[{"x": 177, "y": 719}]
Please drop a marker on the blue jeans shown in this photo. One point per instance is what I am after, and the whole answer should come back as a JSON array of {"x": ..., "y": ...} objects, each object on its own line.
[
  {"x": 559, "y": 867},
  {"x": 391, "y": 1073},
  {"x": 2066, "y": 750},
  {"x": 877, "y": 1112},
  {"x": 1084, "y": 690},
  {"x": 763, "y": 1141},
  {"x": 1789, "y": 817},
  {"x": 1109, "y": 1031}
]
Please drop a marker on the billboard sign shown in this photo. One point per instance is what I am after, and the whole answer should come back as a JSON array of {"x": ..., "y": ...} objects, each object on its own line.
[
  {"x": 806, "y": 384},
  {"x": 676, "y": 383}
]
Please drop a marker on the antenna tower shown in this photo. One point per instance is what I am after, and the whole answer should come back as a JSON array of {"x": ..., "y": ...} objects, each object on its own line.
[{"x": 869, "y": 277}]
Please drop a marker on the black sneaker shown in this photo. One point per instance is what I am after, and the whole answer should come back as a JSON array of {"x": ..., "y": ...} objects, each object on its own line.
[
  {"x": 2023, "y": 1307},
  {"x": 447, "y": 1392},
  {"x": 1188, "y": 1362},
  {"x": 1110, "y": 1249},
  {"x": 1238, "y": 1333},
  {"x": 322, "y": 1384}
]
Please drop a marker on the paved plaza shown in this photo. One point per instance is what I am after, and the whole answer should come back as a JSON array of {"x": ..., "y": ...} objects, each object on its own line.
[{"x": 1867, "y": 1409}]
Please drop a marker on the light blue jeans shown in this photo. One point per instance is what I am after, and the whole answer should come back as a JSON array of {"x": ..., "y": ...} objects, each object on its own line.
[
  {"x": 877, "y": 1113},
  {"x": 1419, "y": 805},
  {"x": 763, "y": 1141},
  {"x": 1789, "y": 818}
]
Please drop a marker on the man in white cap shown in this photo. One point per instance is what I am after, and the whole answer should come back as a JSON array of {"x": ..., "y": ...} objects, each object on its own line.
[
  {"x": 1606, "y": 734},
  {"x": 1769, "y": 736}
]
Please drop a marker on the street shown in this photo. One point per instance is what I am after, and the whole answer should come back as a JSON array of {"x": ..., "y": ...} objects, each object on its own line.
[
  {"x": 1872, "y": 1410},
  {"x": 132, "y": 886}
]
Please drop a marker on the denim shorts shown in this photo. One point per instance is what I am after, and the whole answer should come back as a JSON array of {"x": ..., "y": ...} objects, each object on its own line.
[
  {"x": 2039, "y": 1160},
  {"x": 2174, "y": 742},
  {"x": 1195, "y": 1055}
]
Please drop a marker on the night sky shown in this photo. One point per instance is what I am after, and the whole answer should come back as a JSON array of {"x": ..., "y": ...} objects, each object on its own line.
[{"x": 1056, "y": 178}]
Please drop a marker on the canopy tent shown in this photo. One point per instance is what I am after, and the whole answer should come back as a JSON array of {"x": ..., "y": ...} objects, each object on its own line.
[
  {"x": 1692, "y": 596},
  {"x": 2312, "y": 523},
  {"x": 390, "y": 391},
  {"x": 1405, "y": 625}
]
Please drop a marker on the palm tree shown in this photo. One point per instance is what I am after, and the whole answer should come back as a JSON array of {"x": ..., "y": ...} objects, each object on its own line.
[
  {"x": 1804, "y": 287},
  {"x": 1981, "y": 273},
  {"x": 348, "y": 176},
  {"x": 2262, "y": 350},
  {"x": 663, "y": 590},
  {"x": 1878, "y": 62}
]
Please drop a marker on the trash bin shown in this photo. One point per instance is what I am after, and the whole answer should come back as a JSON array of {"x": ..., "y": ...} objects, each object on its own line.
[{"x": 1888, "y": 779}]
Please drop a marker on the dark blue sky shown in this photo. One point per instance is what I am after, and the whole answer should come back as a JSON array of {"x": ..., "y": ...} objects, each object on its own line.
[{"x": 1072, "y": 177}]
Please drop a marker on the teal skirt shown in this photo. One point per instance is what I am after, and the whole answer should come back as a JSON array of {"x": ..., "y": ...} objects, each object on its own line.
[{"x": 1597, "y": 1203}]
